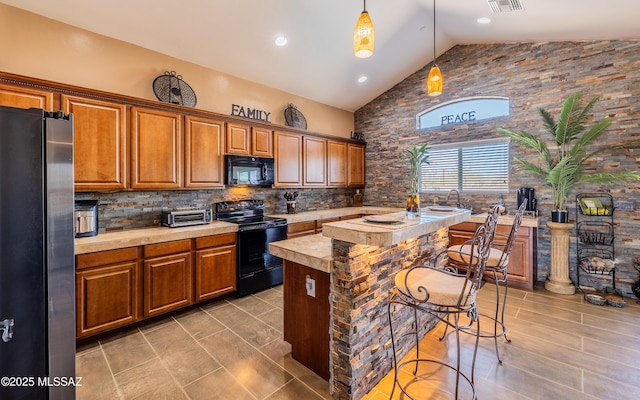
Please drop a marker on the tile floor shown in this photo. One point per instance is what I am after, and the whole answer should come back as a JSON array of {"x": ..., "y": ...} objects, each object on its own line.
[{"x": 562, "y": 348}]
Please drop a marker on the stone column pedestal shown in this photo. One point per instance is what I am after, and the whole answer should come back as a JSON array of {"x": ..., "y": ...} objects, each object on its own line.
[{"x": 558, "y": 280}]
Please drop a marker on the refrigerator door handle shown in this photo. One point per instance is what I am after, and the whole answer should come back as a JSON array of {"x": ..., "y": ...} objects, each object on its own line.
[{"x": 7, "y": 329}]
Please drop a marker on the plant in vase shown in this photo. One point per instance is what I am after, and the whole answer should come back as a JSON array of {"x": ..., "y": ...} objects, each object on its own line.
[
  {"x": 562, "y": 168},
  {"x": 417, "y": 155}
]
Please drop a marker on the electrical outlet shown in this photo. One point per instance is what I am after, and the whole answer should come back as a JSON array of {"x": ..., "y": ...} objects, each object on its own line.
[{"x": 310, "y": 284}]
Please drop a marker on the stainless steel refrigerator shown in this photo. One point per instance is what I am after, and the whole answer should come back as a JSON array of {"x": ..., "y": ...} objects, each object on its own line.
[{"x": 37, "y": 271}]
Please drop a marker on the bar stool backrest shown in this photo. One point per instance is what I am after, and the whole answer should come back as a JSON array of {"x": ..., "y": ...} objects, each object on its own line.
[
  {"x": 480, "y": 248},
  {"x": 511, "y": 240}
]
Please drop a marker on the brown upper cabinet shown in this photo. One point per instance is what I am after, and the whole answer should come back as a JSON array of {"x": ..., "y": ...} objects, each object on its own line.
[
  {"x": 238, "y": 140},
  {"x": 261, "y": 142},
  {"x": 203, "y": 145},
  {"x": 355, "y": 165},
  {"x": 246, "y": 140},
  {"x": 315, "y": 161},
  {"x": 122, "y": 143},
  {"x": 156, "y": 149},
  {"x": 19, "y": 97},
  {"x": 288, "y": 158},
  {"x": 337, "y": 163},
  {"x": 100, "y": 143}
]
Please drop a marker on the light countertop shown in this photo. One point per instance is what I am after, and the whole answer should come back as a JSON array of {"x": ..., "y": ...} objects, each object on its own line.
[
  {"x": 376, "y": 234},
  {"x": 305, "y": 216},
  {"x": 313, "y": 251},
  {"x": 529, "y": 222},
  {"x": 139, "y": 237}
]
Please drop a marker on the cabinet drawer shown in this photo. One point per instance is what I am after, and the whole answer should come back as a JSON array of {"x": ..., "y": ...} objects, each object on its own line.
[
  {"x": 464, "y": 226},
  {"x": 216, "y": 240},
  {"x": 106, "y": 257},
  {"x": 161, "y": 249},
  {"x": 320, "y": 222},
  {"x": 300, "y": 227}
]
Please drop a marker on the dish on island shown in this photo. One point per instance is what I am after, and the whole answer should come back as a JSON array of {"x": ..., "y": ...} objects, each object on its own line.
[
  {"x": 383, "y": 219},
  {"x": 443, "y": 209}
]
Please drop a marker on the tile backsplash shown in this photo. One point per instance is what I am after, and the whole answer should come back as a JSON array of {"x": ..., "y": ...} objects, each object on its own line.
[{"x": 142, "y": 209}]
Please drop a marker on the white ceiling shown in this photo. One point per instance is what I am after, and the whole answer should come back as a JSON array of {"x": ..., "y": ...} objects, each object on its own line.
[{"x": 237, "y": 36}]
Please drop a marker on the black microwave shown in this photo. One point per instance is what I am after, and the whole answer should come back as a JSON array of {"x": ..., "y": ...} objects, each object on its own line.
[{"x": 248, "y": 171}]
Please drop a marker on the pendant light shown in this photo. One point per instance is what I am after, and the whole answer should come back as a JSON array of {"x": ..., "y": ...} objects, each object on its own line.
[
  {"x": 434, "y": 80},
  {"x": 363, "y": 37}
]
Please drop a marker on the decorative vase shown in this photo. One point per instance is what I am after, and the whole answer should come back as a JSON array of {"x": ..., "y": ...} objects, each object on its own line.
[
  {"x": 560, "y": 216},
  {"x": 413, "y": 205}
]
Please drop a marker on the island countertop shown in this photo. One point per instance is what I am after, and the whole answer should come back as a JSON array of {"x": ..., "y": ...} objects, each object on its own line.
[
  {"x": 313, "y": 251},
  {"x": 377, "y": 234}
]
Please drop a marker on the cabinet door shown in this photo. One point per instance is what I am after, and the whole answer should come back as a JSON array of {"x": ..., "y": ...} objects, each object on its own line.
[
  {"x": 106, "y": 298},
  {"x": 315, "y": 161},
  {"x": 238, "y": 139},
  {"x": 215, "y": 272},
  {"x": 337, "y": 163},
  {"x": 262, "y": 142},
  {"x": 355, "y": 165},
  {"x": 204, "y": 162},
  {"x": 100, "y": 143},
  {"x": 167, "y": 283},
  {"x": 15, "y": 96},
  {"x": 156, "y": 149},
  {"x": 288, "y": 159},
  {"x": 520, "y": 266}
]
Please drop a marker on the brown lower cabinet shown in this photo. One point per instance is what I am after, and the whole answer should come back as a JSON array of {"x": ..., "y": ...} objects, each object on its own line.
[
  {"x": 215, "y": 272},
  {"x": 107, "y": 290},
  {"x": 522, "y": 260},
  {"x": 115, "y": 288},
  {"x": 168, "y": 279}
]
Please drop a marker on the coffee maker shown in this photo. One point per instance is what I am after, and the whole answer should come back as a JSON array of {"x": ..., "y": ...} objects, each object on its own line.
[{"x": 530, "y": 195}]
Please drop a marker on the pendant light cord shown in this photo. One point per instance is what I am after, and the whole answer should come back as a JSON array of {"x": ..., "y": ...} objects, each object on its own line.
[{"x": 434, "y": 31}]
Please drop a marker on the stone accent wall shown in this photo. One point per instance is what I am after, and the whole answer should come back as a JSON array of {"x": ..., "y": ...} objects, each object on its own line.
[
  {"x": 142, "y": 209},
  {"x": 532, "y": 76},
  {"x": 361, "y": 283}
]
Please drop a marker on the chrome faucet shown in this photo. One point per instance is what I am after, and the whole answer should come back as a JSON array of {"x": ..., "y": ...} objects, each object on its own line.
[{"x": 457, "y": 197}]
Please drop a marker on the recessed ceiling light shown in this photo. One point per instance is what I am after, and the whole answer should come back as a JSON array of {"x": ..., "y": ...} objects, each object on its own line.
[
  {"x": 281, "y": 41},
  {"x": 483, "y": 20},
  {"x": 362, "y": 78}
]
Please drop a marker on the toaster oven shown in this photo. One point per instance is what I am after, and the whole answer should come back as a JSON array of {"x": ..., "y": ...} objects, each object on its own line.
[{"x": 178, "y": 218}]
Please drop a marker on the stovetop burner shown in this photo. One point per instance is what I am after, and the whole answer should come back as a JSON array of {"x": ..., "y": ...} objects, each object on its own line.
[{"x": 246, "y": 212}]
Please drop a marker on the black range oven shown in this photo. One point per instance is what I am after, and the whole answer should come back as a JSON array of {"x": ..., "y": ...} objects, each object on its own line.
[{"x": 257, "y": 269}]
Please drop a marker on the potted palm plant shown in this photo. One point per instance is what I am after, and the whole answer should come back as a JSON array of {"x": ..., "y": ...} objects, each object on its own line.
[
  {"x": 563, "y": 167},
  {"x": 416, "y": 156}
]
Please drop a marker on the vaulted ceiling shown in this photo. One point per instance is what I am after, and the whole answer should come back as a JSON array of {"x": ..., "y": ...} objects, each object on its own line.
[{"x": 237, "y": 37}]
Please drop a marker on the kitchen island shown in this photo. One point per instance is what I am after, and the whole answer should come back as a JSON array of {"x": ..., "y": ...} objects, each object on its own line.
[{"x": 352, "y": 266}]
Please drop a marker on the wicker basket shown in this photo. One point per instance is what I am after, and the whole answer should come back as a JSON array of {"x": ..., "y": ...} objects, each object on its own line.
[
  {"x": 596, "y": 299},
  {"x": 615, "y": 300}
]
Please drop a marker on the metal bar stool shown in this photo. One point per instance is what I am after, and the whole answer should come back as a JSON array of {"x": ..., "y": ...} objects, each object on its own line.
[
  {"x": 442, "y": 293},
  {"x": 497, "y": 265}
]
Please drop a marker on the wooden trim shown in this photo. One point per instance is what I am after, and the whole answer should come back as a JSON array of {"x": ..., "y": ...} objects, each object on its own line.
[{"x": 30, "y": 82}]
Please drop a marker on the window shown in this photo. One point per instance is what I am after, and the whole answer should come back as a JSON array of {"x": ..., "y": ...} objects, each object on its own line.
[{"x": 469, "y": 166}]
